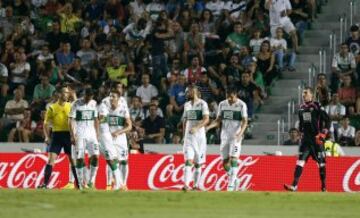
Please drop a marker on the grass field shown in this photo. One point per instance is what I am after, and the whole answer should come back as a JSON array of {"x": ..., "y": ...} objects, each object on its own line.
[{"x": 89, "y": 204}]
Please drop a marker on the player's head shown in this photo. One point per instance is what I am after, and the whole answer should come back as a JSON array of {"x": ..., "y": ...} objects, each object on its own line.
[
  {"x": 114, "y": 96},
  {"x": 231, "y": 94},
  {"x": 307, "y": 94},
  {"x": 88, "y": 94},
  {"x": 192, "y": 92},
  {"x": 119, "y": 87},
  {"x": 63, "y": 93}
]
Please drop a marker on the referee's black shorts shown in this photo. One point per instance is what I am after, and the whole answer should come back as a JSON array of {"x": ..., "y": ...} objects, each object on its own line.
[{"x": 60, "y": 140}]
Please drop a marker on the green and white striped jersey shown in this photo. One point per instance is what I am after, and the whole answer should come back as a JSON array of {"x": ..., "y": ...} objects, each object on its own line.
[
  {"x": 193, "y": 114},
  {"x": 84, "y": 115}
]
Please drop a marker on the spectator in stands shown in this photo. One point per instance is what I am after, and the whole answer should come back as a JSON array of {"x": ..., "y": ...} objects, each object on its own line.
[
  {"x": 333, "y": 149},
  {"x": 4, "y": 73},
  {"x": 14, "y": 110},
  {"x": 45, "y": 54},
  {"x": 177, "y": 94},
  {"x": 154, "y": 8},
  {"x": 20, "y": 70},
  {"x": 119, "y": 72},
  {"x": 44, "y": 90},
  {"x": 56, "y": 37},
  {"x": 159, "y": 112},
  {"x": 300, "y": 16},
  {"x": 76, "y": 73},
  {"x": 136, "y": 109},
  {"x": 336, "y": 112},
  {"x": 171, "y": 122},
  {"x": 347, "y": 93},
  {"x": 294, "y": 137},
  {"x": 322, "y": 91},
  {"x": 193, "y": 73},
  {"x": 248, "y": 92},
  {"x": 256, "y": 41},
  {"x": 4, "y": 97},
  {"x": 154, "y": 127},
  {"x": 65, "y": 57},
  {"x": 353, "y": 43},
  {"x": 279, "y": 12},
  {"x": 343, "y": 64},
  {"x": 232, "y": 71},
  {"x": 86, "y": 54},
  {"x": 346, "y": 133},
  {"x": 146, "y": 91},
  {"x": 280, "y": 49},
  {"x": 68, "y": 19},
  {"x": 215, "y": 6},
  {"x": 24, "y": 128},
  {"x": 194, "y": 43},
  {"x": 265, "y": 63},
  {"x": 357, "y": 139},
  {"x": 207, "y": 88},
  {"x": 38, "y": 132},
  {"x": 238, "y": 38}
]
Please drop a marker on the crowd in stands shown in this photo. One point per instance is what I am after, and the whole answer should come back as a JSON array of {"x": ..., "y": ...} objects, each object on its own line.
[{"x": 154, "y": 48}]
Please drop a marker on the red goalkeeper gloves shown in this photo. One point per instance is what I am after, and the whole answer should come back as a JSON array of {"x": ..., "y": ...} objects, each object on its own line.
[{"x": 321, "y": 137}]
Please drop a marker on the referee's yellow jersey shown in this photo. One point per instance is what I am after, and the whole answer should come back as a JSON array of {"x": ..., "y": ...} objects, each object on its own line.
[{"x": 58, "y": 116}]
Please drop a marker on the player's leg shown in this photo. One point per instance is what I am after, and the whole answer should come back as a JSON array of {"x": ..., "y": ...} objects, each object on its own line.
[
  {"x": 189, "y": 161},
  {"x": 94, "y": 153},
  {"x": 304, "y": 153},
  {"x": 224, "y": 153},
  {"x": 123, "y": 164},
  {"x": 69, "y": 150},
  {"x": 320, "y": 157},
  {"x": 235, "y": 149},
  {"x": 54, "y": 151},
  {"x": 80, "y": 161},
  {"x": 199, "y": 160}
]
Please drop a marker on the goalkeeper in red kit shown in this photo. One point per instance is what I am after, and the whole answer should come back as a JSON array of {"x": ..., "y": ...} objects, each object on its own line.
[{"x": 313, "y": 124}]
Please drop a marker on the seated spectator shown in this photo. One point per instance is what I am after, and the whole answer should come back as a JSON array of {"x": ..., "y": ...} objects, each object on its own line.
[
  {"x": 347, "y": 93},
  {"x": 45, "y": 54},
  {"x": 299, "y": 16},
  {"x": 255, "y": 42},
  {"x": 24, "y": 128},
  {"x": 177, "y": 94},
  {"x": 248, "y": 92},
  {"x": 232, "y": 71},
  {"x": 14, "y": 110},
  {"x": 155, "y": 101},
  {"x": 194, "y": 72},
  {"x": 257, "y": 78},
  {"x": 171, "y": 121},
  {"x": 76, "y": 73},
  {"x": 245, "y": 56},
  {"x": 194, "y": 44},
  {"x": 353, "y": 43},
  {"x": 56, "y": 37},
  {"x": 238, "y": 38},
  {"x": 38, "y": 132},
  {"x": 4, "y": 98},
  {"x": 146, "y": 91},
  {"x": 65, "y": 57},
  {"x": 357, "y": 139},
  {"x": 346, "y": 133},
  {"x": 136, "y": 32},
  {"x": 4, "y": 73},
  {"x": 44, "y": 90},
  {"x": 86, "y": 54},
  {"x": 322, "y": 91},
  {"x": 265, "y": 63},
  {"x": 215, "y": 6},
  {"x": 119, "y": 72},
  {"x": 19, "y": 71},
  {"x": 135, "y": 142},
  {"x": 294, "y": 137},
  {"x": 68, "y": 19},
  {"x": 343, "y": 64},
  {"x": 354, "y": 118},
  {"x": 280, "y": 49},
  {"x": 154, "y": 8},
  {"x": 136, "y": 110},
  {"x": 207, "y": 88},
  {"x": 336, "y": 112},
  {"x": 154, "y": 127}
]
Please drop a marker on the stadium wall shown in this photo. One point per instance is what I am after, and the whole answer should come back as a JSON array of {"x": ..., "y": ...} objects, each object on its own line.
[{"x": 165, "y": 172}]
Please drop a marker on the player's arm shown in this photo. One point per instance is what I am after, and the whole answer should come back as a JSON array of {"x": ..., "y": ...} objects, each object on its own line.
[
  {"x": 72, "y": 122},
  {"x": 301, "y": 122},
  {"x": 205, "y": 120},
  {"x": 97, "y": 126},
  {"x": 214, "y": 124},
  {"x": 243, "y": 126},
  {"x": 127, "y": 128}
]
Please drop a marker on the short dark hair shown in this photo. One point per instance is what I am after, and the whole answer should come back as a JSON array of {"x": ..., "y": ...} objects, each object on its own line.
[
  {"x": 293, "y": 129},
  {"x": 354, "y": 28},
  {"x": 88, "y": 92},
  {"x": 231, "y": 90},
  {"x": 309, "y": 88}
]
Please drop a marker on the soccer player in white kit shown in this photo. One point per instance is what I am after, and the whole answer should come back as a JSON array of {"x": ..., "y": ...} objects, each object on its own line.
[
  {"x": 232, "y": 117},
  {"x": 278, "y": 13},
  {"x": 105, "y": 136},
  {"x": 195, "y": 118},
  {"x": 84, "y": 130}
]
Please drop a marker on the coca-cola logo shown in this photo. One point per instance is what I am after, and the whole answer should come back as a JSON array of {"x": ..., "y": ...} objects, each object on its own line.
[
  {"x": 27, "y": 172},
  {"x": 351, "y": 179},
  {"x": 165, "y": 174}
]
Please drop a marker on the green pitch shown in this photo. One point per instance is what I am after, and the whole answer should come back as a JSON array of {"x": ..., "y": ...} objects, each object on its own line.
[{"x": 89, "y": 204}]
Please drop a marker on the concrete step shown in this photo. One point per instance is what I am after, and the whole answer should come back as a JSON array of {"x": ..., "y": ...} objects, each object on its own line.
[
  {"x": 318, "y": 33},
  {"x": 291, "y": 83},
  {"x": 266, "y": 117},
  {"x": 284, "y": 91},
  {"x": 308, "y": 57},
  {"x": 309, "y": 50},
  {"x": 328, "y": 25},
  {"x": 265, "y": 126},
  {"x": 301, "y": 66},
  {"x": 300, "y": 76},
  {"x": 319, "y": 41}
]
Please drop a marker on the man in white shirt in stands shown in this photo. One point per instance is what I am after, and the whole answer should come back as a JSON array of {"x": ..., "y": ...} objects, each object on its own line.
[
  {"x": 279, "y": 11},
  {"x": 146, "y": 91}
]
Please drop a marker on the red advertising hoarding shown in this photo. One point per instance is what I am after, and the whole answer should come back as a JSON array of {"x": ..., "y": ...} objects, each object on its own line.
[{"x": 165, "y": 172}]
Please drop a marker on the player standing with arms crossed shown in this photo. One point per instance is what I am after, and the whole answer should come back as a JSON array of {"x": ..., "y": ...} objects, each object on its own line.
[
  {"x": 57, "y": 117},
  {"x": 314, "y": 125},
  {"x": 195, "y": 118},
  {"x": 84, "y": 130},
  {"x": 232, "y": 117}
]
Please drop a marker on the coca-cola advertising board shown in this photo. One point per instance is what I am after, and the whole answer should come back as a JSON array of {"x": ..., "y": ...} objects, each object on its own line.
[{"x": 165, "y": 172}]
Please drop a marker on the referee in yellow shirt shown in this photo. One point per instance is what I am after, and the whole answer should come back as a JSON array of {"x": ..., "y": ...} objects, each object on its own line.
[{"x": 57, "y": 115}]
